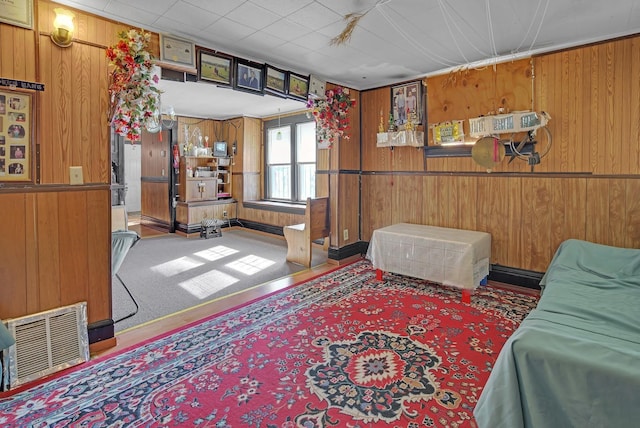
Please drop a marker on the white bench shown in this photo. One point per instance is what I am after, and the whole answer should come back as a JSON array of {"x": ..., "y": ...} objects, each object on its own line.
[{"x": 455, "y": 257}]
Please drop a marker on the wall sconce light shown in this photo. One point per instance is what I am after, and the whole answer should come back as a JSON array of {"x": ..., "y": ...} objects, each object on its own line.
[{"x": 62, "y": 34}]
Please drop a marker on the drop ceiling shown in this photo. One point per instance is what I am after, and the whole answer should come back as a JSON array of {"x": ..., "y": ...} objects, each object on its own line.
[{"x": 394, "y": 40}]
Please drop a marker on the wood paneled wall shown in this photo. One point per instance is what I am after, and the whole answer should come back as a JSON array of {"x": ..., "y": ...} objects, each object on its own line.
[
  {"x": 343, "y": 162},
  {"x": 586, "y": 188},
  {"x": 593, "y": 96},
  {"x": 56, "y": 238},
  {"x": 73, "y": 110},
  {"x": 56, "y": 249},
  {"x": 527, "y": 216}
]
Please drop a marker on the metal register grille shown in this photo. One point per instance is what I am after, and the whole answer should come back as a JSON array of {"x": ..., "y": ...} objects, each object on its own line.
[{"x": 47, "y": 342}]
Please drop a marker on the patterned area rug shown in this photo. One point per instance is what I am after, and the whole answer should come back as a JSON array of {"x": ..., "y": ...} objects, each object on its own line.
[{"x": 341, "y": 350}]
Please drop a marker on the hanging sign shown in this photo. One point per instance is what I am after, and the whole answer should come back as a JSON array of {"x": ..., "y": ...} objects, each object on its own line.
[{"x": 21, "y": 84}]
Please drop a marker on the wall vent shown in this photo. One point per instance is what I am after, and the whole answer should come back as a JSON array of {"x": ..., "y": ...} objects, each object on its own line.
[{"x": 47, "y": 342}]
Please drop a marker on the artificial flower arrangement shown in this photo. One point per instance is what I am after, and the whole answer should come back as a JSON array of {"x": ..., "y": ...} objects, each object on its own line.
[
  {"x": 331, "y": 114},
  {"x": 133, "y": 92}
]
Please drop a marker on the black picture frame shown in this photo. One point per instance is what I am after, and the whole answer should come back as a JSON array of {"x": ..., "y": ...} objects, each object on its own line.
[
  {"x": 215, "y": 67},
  {"x": 404, "y": 97},
  {"x": 248, "y": 76},
  {"x": 276, "y": 81},
  {"x": 298, "y": 86}
]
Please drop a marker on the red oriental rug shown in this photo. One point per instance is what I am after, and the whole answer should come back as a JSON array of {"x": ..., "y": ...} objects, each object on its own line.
[{"x": 340, "y": 350}]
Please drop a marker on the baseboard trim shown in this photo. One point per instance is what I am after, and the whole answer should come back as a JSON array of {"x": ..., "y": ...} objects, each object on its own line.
[
  {"x": 195, "y": 228},
  {"x": 357, "y": 248},
  {"x": 101, "y": 330},
  {"x": 516, "y": 276},
  {"x": 261, "y": 227},
  {"x": 154, "y": 222}
]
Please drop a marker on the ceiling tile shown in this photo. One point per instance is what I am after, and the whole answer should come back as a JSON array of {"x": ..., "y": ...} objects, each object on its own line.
[
  {"x": 95, "y": 5},
  {"x": 282, "y": 7},
  {"x": 228, "y": 29},
  {"x": 252, "y": 16},
  {"x": 133, "y": 14},
  {"x": 258, "y": 42},
  {"x": 219, "y": 7},
  {"x": 344, "y": 7},
  {"x": 285, "y": 29},
  {"x": 193, "y": 17},
  {"x": 312, "y": 41},
  {"x": 315, "y": 16}
]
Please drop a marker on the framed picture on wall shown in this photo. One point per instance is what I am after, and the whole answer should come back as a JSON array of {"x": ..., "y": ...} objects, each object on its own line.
[
  {"x": 298, "y": 87},
  {"x": 275, "y": 80},
  {"x": 15, "y": 136},
  {"x": 406, "y": 100},
  {"x": 249, "y": 76},
  {"x": 215, "y": 67},
  {"x": 177, "y": 53},
  {"x": 18, "y": 13}
]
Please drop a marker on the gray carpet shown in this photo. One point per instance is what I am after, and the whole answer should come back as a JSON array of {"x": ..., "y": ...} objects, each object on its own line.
[{"x": 169, "y": 273}]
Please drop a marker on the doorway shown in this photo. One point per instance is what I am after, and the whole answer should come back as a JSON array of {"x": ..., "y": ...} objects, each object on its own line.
[
  {"x": 132, "y": 184},
  {"x": 143, "y": 180}
]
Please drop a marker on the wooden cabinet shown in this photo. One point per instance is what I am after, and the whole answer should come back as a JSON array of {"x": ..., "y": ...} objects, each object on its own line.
[
  {"x": 204, "y": 178},
  {"x": 224, "y": 178}
]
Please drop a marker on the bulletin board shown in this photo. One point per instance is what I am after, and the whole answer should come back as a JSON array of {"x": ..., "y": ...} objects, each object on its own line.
[{"x": 15, "y": 136}]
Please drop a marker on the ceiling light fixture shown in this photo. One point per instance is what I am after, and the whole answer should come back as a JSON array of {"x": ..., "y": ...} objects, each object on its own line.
[
  {"x": 62, "y": 34},
  {"x": 279, "y": 133},
  {"x": 171, "y": 113}
]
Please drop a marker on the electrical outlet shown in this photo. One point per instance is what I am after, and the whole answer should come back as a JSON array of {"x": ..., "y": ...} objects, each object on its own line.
[
  {"x": 224, "y": 214},
  {"x": 345, "y": 234}
]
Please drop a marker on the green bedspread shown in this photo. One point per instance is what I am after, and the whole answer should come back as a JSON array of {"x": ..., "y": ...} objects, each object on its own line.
[{"x": 575, "y": 360}]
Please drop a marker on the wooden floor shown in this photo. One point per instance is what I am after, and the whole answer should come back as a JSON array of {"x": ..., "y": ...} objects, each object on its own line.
[{"x": 133, "y": 223}]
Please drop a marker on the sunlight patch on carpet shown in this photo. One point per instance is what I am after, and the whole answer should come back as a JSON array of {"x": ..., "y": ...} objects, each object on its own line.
[
  {"x": 215, "y": 253},
  {"x": 174, "y": 267},
  {"x": 250, "y": 265},
  {"x": 203, "y": 286}
]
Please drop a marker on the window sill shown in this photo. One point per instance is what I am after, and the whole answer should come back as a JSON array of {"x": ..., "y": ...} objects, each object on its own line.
[{"x": 281, "y": 207}]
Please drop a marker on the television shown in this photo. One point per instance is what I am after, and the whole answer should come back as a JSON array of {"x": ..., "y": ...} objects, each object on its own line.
[{"x": 220, "y": 148}]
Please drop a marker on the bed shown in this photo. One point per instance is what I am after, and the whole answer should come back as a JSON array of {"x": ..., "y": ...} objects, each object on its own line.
[{"x": 575, "y": 360}]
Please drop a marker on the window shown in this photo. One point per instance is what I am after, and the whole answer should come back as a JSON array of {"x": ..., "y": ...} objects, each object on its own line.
[{"x": 290, "y": 159}]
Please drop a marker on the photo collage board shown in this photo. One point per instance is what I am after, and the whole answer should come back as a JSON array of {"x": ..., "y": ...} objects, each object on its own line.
[{"x": 15, "y": 136}]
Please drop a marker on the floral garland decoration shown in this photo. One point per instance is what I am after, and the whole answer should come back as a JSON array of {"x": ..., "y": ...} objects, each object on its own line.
[
  {"x": 133, "y": 94},
  {"x": 331, "y": 114}
]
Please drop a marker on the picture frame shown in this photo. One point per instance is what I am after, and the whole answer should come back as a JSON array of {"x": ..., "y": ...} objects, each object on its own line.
[
  {"x": 275, "y": 80},
  {"x": 16, "y": 118},
  {"x": 177, "y": 53},
  {"x": 406, "y": 98},
  {"x": 249, "y": 76},
  {"x": 298, "y": 86},
  {"x": 19, "y": 13},
  {"x": 215, "y": 67}
]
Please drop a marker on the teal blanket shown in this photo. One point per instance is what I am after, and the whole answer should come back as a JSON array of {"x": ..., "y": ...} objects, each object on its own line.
[{"x": 575, "y": 360}]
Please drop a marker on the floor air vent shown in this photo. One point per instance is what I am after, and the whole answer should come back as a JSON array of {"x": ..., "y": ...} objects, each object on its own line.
[{"x": 47, "y": 342}]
